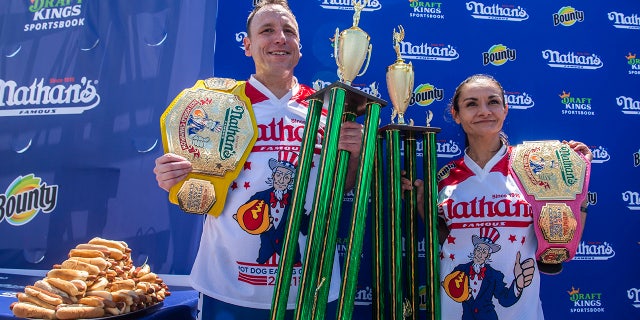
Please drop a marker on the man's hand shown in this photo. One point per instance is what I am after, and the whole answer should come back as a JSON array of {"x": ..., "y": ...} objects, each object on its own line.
[
  {"x": 351, "y": 140},
  {"x": 170, "y": 169},
  {"x": 523, "y": 272}
]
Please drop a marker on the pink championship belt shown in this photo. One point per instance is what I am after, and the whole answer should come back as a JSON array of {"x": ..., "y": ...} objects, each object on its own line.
[{"x": 554, "y": 179}]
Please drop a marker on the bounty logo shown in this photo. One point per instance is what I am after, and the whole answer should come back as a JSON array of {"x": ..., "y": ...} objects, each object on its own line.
[
  {"x": 426, "y": 9},
  {"x": 24, "y": 198},
  {"x": 498, "y": 55},
  {"x": 567, "y": 16},
  {"x": 632, "y": 199},
  {"x": 517, "y": 100},
  {"x": 59, "y": 96},
  {"x": 594, "y": 251},
  {"x": 600, "y": 155},
  {"x": 48, "y": 15},
  {"x": 571, "y": 60},
  {"x": 371, "y": 5},
  {"x": 634, "y": 295},
  {"x": 575, "y": 105},
  {"x": 622, "y": 21},
  {"x": 585, "y": 302},
  {"x": 628, "y": 104},
  {"x": 448, "y": 149},
  {"x": 424, "y": 51},
  {"x": 480, "y": 10},
  {"x": 634, "y": 63},
  {"x": 636, "y": 158},
  {"x": 424, "y": 94}
]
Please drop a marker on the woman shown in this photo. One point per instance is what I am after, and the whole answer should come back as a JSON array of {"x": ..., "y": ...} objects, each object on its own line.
[{"x": 487, "y": 267}]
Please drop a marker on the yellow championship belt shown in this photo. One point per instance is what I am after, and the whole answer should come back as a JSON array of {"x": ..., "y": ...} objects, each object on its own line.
[{"x": 213, "y": 125}]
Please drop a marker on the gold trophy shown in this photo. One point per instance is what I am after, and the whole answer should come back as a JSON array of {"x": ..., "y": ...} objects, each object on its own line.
[
  {"x": 399, "y": 79},
  {"x": 352, "y": 47}
]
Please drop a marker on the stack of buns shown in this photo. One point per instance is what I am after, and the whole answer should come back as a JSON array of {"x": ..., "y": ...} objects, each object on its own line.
[{"x": 97, "y": 280}]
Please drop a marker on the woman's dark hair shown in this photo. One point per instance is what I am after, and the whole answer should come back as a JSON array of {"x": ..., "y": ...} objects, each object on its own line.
[{"x": 454, "y": 105}]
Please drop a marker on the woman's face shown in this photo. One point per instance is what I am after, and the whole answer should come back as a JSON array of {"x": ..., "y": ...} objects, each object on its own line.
[{"x": 481, "y": 108}]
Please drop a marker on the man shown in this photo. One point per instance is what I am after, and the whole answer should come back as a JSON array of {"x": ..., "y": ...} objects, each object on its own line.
[{"x": 225, "y": 272}]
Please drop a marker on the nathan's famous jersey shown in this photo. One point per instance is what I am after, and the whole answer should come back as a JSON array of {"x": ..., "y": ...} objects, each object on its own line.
[
  {"x": 491, "y": 230},
  {"x": 239, "y": 251}
]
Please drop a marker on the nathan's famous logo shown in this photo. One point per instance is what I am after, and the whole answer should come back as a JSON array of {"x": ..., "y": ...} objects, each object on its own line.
[
  {"x": 230, "y": 128},
  {"x": 364, "y": 296},
  {"x": 634, "y": 295},
  {"x": 622, "y": 21},
  {"x": 628, "y": 104},
  {"x": 448, "y": 149},
  {"x": 371, "y": 89},
  {"x": 426, "y": 9},
  {"x": 25, "y": 197},
  {"x": 634, "y": 63},
  {"x": 57, "y": 96},
  {"x": 571, "y": 60},
  {"x": 424, "y": 94},
  {"x": 371, "y": 5},
  {"x": 632, "y": 198},
  {"x": 585, "y": 302},
  {"x": 498, "y": 55},
  {"x": 563, "y": 154},
  {"x": 575, "y": 105},
  {"x": 424, "y": 51},
  {"x": 240, "y": 38},
  {"x": 519, "y": 100},
  {"x": 567, "y": 16},
  {"x": 594, "y": 251},
  {"x": 48, "y": 14},
  {"x": 600, "y": 154},
  {"x": 506, "y": 12}
]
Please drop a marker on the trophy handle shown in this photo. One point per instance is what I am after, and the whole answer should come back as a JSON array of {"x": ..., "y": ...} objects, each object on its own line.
[
  {"x": 336, "y": 43},
  {"x": 368, "y": 59}
]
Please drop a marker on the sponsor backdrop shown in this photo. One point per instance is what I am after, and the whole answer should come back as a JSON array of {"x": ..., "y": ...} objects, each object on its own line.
[{"x": 83, "y": 85}]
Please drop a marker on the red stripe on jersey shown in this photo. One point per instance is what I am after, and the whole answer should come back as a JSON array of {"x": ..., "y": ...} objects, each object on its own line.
[
  {"x": 303, "y": 94},
  {"x": 253, "y": 94},
  {"x": 503, "y": 165},
  {"x": 458, "y": 172}
]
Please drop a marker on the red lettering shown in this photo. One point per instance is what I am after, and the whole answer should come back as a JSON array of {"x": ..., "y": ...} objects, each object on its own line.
[
  {"x": 483, "y": 208},
  {"x": 278, "y": 131}
]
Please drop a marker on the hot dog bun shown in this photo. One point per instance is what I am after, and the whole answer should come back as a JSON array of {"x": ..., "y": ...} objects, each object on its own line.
[
  {"x": 68, "y": 274},
  {"x": 28, "y": 310},
  {"x": 78, "y": 311},
  {"x": 81, "y": 265},
  {"x": 101, "y": 263}
]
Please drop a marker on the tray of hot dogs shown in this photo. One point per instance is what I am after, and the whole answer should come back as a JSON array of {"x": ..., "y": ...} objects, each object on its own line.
[{"x": 97, "y": 281}]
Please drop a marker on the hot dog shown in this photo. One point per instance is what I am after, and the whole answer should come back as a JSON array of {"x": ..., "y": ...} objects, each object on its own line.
[
  {"x": 86, "y": 253},
  {"x": 111, "y": 252},
  {"x": 45, "y": 285},
  {"x": 100, "y": 284},
  {"x": 93, "y": 301},
  {"x": 101, "y": 263},
  {"x": 120, "y": 245},
  {"x": 46, "y": 296},
  {"x": 128, "y": 284},
  {"x": 78, "y": 311},
  {"x": 64, "y": 285},
  {"x": 81, "y": 265},
  {"x": 68, "y": 274},
  {"x": 28, "y": 310},
  {"x": 23, "y": 297}
]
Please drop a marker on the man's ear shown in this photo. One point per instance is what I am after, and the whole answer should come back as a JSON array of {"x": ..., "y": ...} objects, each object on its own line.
[{"x": 247, "y": 46}]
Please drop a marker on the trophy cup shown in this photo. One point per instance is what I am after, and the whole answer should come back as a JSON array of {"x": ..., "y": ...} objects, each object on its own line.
[
  {"x": 403, "y": 292},
  {"x": 343, "y": 103},
  {"x": 351, "y": 47}
]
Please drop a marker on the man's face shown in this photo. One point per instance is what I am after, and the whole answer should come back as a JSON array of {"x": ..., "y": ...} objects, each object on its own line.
[
  {"x": 274, "y": 42},
  {"x": 281, "y": 178},
  {"x": 481, "y": 253}
]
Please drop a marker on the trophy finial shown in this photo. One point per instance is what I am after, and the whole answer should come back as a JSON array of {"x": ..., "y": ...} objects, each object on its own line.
[
  {"x": 357, "y": 8},
  {"x": 397, "y": 38},
  {"x": 429, "y": 117}
]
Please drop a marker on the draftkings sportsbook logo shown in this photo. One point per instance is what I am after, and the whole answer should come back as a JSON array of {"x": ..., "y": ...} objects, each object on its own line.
[
  {"x": 426, "y": 9},
  {"x": 48, "y": 15},
  {"x": 575, "y": 105},
  {"x": 634, "y": 63},
  {"x": 585, "y": 302},
  {"x": 25, "y": 197},
  {"x": 506, "y": 12},
  {"x": 57, "y": 96}
]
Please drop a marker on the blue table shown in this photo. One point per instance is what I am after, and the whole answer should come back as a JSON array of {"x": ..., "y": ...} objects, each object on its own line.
[{"x": 181, "y": 304}]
